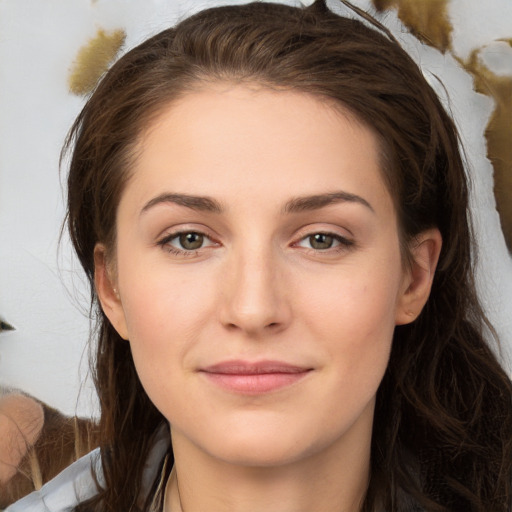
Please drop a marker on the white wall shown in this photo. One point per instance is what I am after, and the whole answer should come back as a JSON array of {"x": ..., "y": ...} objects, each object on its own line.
[{"x": 42, "y": 294}]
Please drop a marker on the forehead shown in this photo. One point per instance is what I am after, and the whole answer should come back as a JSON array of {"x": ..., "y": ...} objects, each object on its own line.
[{"x": 277, "y": 143}]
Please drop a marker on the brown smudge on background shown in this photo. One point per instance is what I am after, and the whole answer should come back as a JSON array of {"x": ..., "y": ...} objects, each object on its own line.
[
  {"x": 428, "y": 20},
  {"x": 93, "y": 60},
  {"x": 498, "y": 134},
  {"x": 4, "y": 326}
]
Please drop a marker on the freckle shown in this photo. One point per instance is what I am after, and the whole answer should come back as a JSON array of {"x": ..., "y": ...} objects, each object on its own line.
[
  {"x": 498, "y": 134},
  {"x": 93, "y": 59},
  {"x": 428, "y": 20}
]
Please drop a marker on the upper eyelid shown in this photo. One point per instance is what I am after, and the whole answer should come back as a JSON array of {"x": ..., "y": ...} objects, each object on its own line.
[
  {"x": 332, "y": 231},
  {"x": 171, "y": 236},
  {"x": 341, "y": 227},
  {"x": 172, "y": 232}
]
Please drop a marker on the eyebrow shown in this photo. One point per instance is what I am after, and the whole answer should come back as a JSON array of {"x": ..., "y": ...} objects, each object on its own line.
[
  {"x": 315, "y": 202},
  {"x": 201, "y": 203},
  {"x": 295, "y": 205}
]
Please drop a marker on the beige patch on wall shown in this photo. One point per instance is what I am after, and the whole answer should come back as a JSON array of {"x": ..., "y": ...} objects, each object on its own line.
[
  {"x": 93, "y": 59},
  {"x": 428, "y": 20},
  {"x": 498, "y": 134}
]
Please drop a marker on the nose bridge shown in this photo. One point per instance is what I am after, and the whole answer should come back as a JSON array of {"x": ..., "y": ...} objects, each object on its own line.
[{"x": 255, "y": 298}]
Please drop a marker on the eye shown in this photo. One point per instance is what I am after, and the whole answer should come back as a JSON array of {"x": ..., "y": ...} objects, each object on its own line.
[
  {"x": 324, "y": 241},
  {"x": 185, "y": 242},
  {"x": 189, "y": 241},
  {"x": 321, "y": 241}
]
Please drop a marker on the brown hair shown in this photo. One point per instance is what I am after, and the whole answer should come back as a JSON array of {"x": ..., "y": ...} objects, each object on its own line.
[{"x": 443, "y": 412}]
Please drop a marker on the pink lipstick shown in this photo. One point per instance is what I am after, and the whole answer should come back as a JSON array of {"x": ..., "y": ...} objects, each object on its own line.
[{"x": 254, "y": 378}]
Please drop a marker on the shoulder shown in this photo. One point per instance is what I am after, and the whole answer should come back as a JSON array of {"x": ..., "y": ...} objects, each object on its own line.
[{"x": 70, "y": 487}]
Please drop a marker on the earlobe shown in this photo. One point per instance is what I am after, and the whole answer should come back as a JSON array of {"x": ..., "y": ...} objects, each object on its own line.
[
  {"x": 424, "y": 250},
  {"x": 107, "y": 292}
]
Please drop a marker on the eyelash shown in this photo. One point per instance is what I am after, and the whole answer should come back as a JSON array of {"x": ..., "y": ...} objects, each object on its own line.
[{"x": 344, "y": 243}]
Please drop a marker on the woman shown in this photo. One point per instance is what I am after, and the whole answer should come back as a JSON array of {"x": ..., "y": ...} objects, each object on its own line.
[{"x": 271, "y": 208}]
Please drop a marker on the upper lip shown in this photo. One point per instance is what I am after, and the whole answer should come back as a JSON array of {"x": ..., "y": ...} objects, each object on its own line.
[{"x": 239, "y": 367}]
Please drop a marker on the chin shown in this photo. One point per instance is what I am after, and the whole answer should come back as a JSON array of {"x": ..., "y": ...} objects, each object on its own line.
[
  {"x": 259, "y": 453},
  {"x": 264, "y": 444}
]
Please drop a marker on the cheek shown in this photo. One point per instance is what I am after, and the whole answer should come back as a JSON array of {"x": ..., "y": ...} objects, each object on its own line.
[
  {"x": 357, "y": 304},
  {"x": 166, "y": 311},
  {"x": 164, "y": 304},
  {"x": 163, "y": 324},
  {"x": 353, "y": 318}
]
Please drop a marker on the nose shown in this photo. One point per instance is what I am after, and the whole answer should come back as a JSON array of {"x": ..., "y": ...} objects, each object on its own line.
[{"x": 255, "y": 297}]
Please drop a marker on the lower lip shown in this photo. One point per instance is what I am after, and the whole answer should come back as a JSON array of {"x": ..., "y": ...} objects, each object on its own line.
[{"x": 255, "y": 384}]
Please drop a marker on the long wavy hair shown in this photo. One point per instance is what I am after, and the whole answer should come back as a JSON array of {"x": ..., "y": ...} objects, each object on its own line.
[{"x": 443, "y": 422}]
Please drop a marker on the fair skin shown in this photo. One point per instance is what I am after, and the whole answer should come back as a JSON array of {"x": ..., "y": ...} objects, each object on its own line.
[{"x": 291, "y": 268}]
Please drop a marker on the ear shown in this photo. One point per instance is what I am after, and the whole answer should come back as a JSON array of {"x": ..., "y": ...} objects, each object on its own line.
[
  {"x": 106, "y": 289},
  {"x": 424, "y": 251}
]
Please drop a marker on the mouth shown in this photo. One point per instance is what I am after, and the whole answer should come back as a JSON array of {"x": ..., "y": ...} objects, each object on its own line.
[{"x": 254, "y": 378}]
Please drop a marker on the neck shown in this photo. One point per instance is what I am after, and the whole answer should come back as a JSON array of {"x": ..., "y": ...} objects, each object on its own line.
[{"x": 334, "y": 479}]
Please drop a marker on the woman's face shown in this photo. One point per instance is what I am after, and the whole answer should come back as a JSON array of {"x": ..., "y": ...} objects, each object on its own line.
[{"x": 258, "y": 274}]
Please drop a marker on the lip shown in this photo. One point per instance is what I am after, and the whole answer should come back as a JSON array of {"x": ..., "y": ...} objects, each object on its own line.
[{"x": 253, "y": 378}]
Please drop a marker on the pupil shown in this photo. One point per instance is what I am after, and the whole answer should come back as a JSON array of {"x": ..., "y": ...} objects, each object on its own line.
[
  {"x": 191, "y": 241},
  {"x": 321, "y": 241}
]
